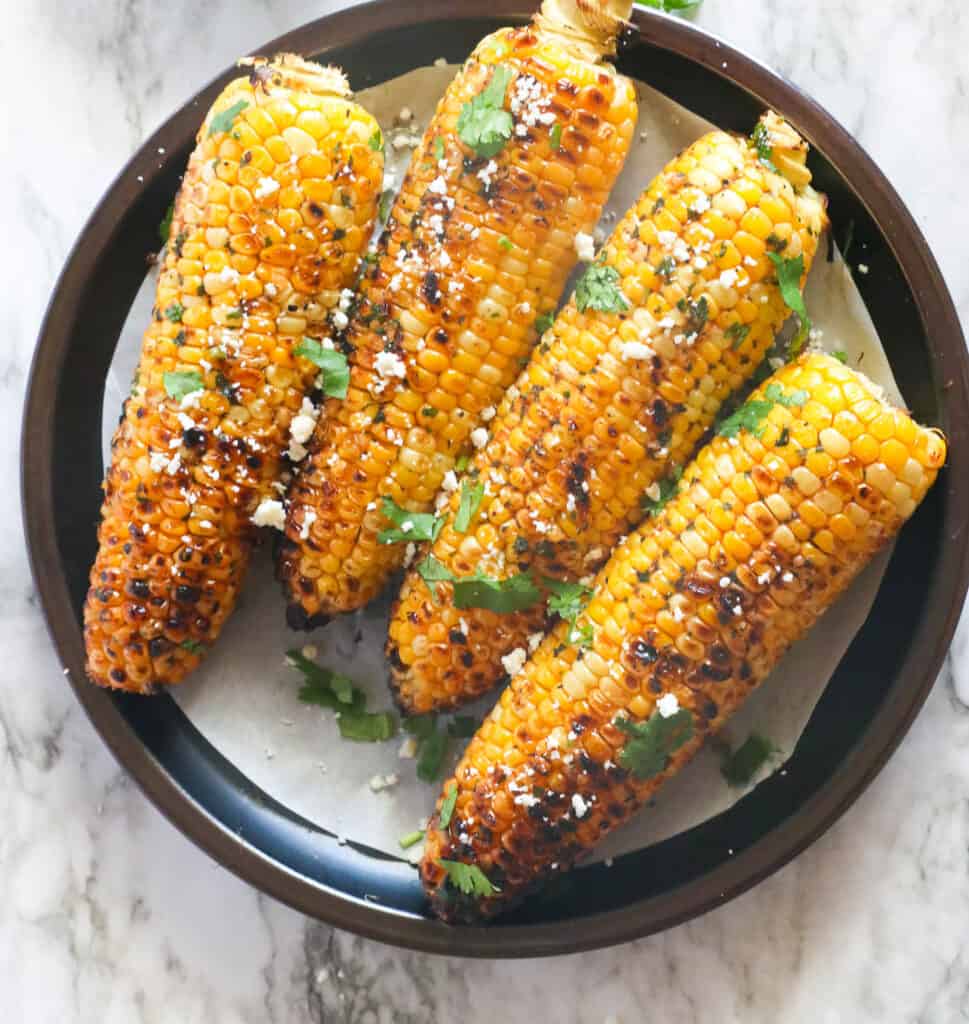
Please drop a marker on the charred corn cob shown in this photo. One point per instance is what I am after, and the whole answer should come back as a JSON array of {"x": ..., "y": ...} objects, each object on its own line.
[
  {"x": 774, "y": 519},
  {"x": 673, "y": 319},
  {"x": 273, "y": 215},
  {"x": 518, "y": 160}
]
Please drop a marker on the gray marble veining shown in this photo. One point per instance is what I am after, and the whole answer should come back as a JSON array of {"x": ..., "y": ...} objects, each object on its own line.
[{"x": 107, "y": 914}]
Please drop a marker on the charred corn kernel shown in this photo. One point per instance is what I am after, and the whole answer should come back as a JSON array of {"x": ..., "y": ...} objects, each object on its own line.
[
  {"x": 553, "y": 734},
  {"x": 187, "y": 474},
  {"x": 436, "y": 317},
  {"x": 609, "y": 404}
]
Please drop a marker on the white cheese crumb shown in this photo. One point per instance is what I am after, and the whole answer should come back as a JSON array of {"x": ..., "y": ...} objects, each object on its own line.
[
  {"x": 380, "y": 782},
  {"x": 636, "y": 350},
  {"x": 863, "y": 268},
  {"x": 654, "y": 492},
  {"x": 486, "y": 174},
  {"x": 667, "y": 705},
  {"x": 265, "y": 187},
  {"x": 389, "y": 364},
  {"x": 270, "y": 513},
  {"x": 408, "y": 749},
  {"x": 441, "y": 62},
  {"x": 340, "y": 320},
  {"x": 514, "y": 662},
  {"x": 309, "y": 519},
  {"x": 479, "y": 437},
  {"x": 270, "y": 289},
  {"x": 729, "y": 278},
  {"x": 579, "y": 806},
  {"x": 534, "y": 639},
  {"x": 438, "y": 186},
  {"x": 585, "y": 247},
  {"x": 405, "y": 115},
  {"x": 450, "y": 481},
  {"x": 309, "y": 651},
  {"x": 303, "y": 423},
  {"x": 158, "y": 461},
  {"x": 488, "y": 414},
  {"x": 409, "y": 553}
]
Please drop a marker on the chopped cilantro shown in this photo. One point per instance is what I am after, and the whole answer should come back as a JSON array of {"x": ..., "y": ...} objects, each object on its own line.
[
  {"x": 673, "y": 6},
  {"x": 432, "y": 571},
  {"x": 438, "y": 148},
  {"x": 178, "y": 385},
  {"x": 582, "y": 636},
  {"x": 505, "y": 242},
  {"x": 651, "y": 743},
  {"x": 544, "y": 322},
  {"x": 484, "y": 125},
  {"x": 222, "y": 121},
  {"x": 741, "y": 765},
  {"x": 193, "y": 646},
  {"x": 840, "y": 355},
  {"x": 367, "y": 726},
  {"x": 696, "y": 313},
  {"x": 461, "y": 463},
  {"x": 468, "y": 878},
  {"x": 502, "y": 596},
  {"x": 386, "y": 204},
  {"x": 411, "y": 839},
  {"x": 598, "y": 289},
  {"x": 765, "y": 151},
  {"x": 472, "y": 491},
  {"x": 431, "y": 752},
  {"x": 376, "y": 141},
  {"x": 234, "y": 314},
  {"x": 555, "y": 137},
  {"x": 429, "y": 411},
  {"x": 462, "y": 726},
  {"x": 411, "y": 526},
  {"x": 567, "y": 600},
  {"x": 447, "y": 807},
  {"x": 666, "y": 267},
  {"x": 165, "y": 228},
  {"x": 751, "y": 415},
  {"x": 174, "y": 312},
  {"x": 737, "y": 333},
  {"x": 668, "y": 487},
  {"x": 789, "y": 274},
  {"x": 336, "y": 370}
]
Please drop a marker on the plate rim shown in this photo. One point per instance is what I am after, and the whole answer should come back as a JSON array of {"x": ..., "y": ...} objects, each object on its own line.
[{"x": 949, "y": 362}]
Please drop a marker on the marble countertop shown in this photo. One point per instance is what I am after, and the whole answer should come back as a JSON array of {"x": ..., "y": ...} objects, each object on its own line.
[{"x": 108, "y": 914}]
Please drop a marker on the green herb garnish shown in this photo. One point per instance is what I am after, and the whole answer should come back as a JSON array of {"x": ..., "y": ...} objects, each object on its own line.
[
  {"x": 178, "y": 384},
  {"x": 504, "y": 242},
  {"x": 651, "y": 743},
  {"x": 544, "y": 322},
  {"x": 438, "y": 148},
  {"x": 336, "y": 370},
  {"x": 741, "y": 765},
  {"x": 555, "y": 137},
  {"x": 432, "y": 571},
  {"x": 174, "y": 312},
  {"x": 461, "y": 463},
  {"x": 598, "y": 289},
  {"x": 789, "y": 274},
  {"x": 193, "y": 646},
  {"x": 673, "y": 6},
  {"x": 737, "y": 333},
  {"x": 376, "y": 141},
  {"x": 468, "y": 878},
  {"x": 666, "y": 267},
  {"x": 367, "y": 726},
  {"x": 765, "y": 151},
  {"x": 411, "y": 526},
  {"x": 411, "y": 839},
  {"x": 462, "y": 726},
  {"x": 502, "y": 596},
  {"x": 430, "y": 757},
  {"x": 165, "y": 228},
  {"x": 751, "y": 415},
  {"x": 840, "y": 355},
  {"x": 668, "y": 488},
  {"x": 447, "y": 807},
  {"x": 222, "y": 121},
  {"x": 472, "y": 491},
  {"x": 484, "y": 125}
]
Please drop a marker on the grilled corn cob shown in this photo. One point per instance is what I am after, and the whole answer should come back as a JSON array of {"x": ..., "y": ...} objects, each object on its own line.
[
  {"x": 615, "y": 399},
  {"x": 775, "y": 517},
  {"x": 273, "y": 215},
  {"x": 478, "y": 246}
]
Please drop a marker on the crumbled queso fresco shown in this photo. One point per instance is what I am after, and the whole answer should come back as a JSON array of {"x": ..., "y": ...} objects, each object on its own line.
[
  {"x": 667, "y": 705},
  {"x": 585, "y": 247},
  {"x": 270, "y": 513},
  {"x": 514, "y": 662}
]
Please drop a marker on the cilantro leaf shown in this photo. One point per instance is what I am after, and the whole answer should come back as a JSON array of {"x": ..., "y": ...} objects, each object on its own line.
[
  {"x": 438, "y": 148},
  {"x": 484, "y": 125},
  {"x": 765, "y": 151},
  {"x": 504, "y": 242},
  {"x": 193, "y": 646},
  {"x": 741, "y": 765},
  {"x": 598, "y": 288},
  {"x": 420, "y": 726},
  {"x": 651, "y": 743},
  {"x": 789, "y": 274},
  {"x": 668, "y": 487},
  {"x": 386, "y": 205},
  {"x": 696, "y": 314},
  {"x": 581, "y": 636},
  {"x": 737, "y": 333},
  {"x": 411, "y": 526},
  {"x": 461, "y": 463},
  {"x": 567, "y": 600},
  {"x": 672, "y": 6},
  {"x": 775, "y": 393},
  {"x": 502, "y": 596},
  {"x": 447, "y": 807},
  {"x": 468, "y": 878},
  {"x": 336, "y": 370},
  {"x": 180, "y": 384},
  {"x": 222, "y": 121},
  {"x": 472, "y": 491},
  {"x": 544, "y": 322},
  {"x": 432, "y": 571},
  {"x": 367, "y": 726},
  {"x": 411, "y": 839},
  {"x": 165, "y": 228},
  {"x": 430, "y": 756},
  {"x": 750, "y": 417},
  {"x": 555, "y": 137},
  {"x": 174, "y": 312},
  {"x": 376, "y": 141},
  {"x": 840, "y": 355},
  {"x": 326, "y": 688}
]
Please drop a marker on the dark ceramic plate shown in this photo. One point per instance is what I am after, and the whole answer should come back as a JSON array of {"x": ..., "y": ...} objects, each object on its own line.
[{"x": 880, "y": 684}]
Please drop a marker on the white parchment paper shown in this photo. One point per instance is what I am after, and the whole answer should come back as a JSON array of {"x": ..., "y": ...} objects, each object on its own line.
[{"x": 244, "y": 697}]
